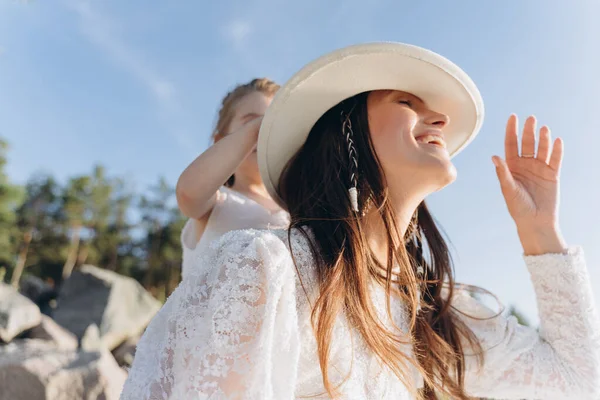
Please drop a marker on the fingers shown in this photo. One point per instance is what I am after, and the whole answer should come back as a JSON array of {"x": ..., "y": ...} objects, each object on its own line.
[
  {"x": 557, "y": 155},
  {"x": 544, "y": 145},
  {"x": 507, "y": 182},
  {"x": 528, "y": 139},
  {"x": 545, "y": 151},
  {"x": 511, "y": 141}
]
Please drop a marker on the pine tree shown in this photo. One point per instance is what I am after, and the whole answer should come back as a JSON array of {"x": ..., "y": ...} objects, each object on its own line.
[
  {"x": 40, "y": 238},
  {"x": 10, "y": 197}
]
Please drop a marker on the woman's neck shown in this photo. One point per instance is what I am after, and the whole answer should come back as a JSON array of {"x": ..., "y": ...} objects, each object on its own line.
[{"x": 404, "y": 208}]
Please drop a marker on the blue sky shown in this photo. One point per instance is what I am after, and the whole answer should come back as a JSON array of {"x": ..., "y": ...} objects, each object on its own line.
[{"x": 135, "y": 86}]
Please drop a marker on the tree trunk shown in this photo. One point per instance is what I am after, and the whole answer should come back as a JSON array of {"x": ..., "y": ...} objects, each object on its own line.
[
  {"x": 113, "y": 259},
  {"x": 153, "y": 255},
  {"x": 73, "y": 250},
  {"x": 83, "y": 255},
  {"x": 16, "y": 276}
]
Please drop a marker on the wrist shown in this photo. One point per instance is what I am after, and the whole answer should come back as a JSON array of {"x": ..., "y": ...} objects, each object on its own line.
[{"x": 541, "y": 240}]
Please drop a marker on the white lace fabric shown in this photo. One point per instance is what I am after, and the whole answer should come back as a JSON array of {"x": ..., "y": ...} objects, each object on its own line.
[
  {"x": 232, "y": 211},
  {"x": 238, "y": 327}
]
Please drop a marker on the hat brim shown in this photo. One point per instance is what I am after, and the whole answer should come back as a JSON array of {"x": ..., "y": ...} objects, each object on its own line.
[{"x": 341, "y": 74}]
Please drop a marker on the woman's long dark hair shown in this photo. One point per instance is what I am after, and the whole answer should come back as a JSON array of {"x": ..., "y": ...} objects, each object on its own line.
[{"x": 314, "y": 186}]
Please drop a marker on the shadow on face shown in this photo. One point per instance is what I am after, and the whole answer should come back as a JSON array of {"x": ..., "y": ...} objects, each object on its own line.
[{"x": 408, "y": 138}]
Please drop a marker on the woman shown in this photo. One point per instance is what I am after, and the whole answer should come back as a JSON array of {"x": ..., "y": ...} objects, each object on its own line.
[
  {"x": 221, "y": 190},
  {"x": 357, "y": 299}
]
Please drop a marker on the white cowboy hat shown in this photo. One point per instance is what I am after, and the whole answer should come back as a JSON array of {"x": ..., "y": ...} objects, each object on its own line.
[{"x": 343, "y": 73}]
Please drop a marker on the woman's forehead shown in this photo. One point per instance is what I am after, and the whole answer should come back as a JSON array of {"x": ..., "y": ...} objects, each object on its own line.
[{"x": 390, "y": 93}]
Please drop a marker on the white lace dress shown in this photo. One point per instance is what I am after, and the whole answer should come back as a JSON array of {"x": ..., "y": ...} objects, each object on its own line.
[
  {"x": 232, "y": 211},
  {"x": 238, "y": 327}
]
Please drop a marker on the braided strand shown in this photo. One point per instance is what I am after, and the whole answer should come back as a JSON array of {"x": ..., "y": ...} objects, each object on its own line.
[{"x": 352, "y": 158}]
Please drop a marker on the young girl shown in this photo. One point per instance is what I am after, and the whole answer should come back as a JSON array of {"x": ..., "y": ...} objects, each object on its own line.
[
  {"x": 221, "y": 190},
  {"x": 357, "y": 299}
]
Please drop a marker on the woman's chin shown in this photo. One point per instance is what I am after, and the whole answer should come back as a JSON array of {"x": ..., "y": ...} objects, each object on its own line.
[
  {"x": 450, "y": 178},
  {"x": 442, "y": 173}
]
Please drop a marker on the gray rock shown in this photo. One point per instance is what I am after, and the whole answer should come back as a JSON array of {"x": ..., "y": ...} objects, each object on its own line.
[
  {"x": 125, "y": 353},
  {"x": 35, "y": 369},
  {"x": 17, "y": 313},
  {"x": 26, "y": 366},
  {"x": 92, "y": 376},
  {"x": 91, "y": 340},
  {"x": 34, "y": 288},
  {"x": 49, "y": 330},
  {"x": 118, "y": 305},
  {"x": 38, "y": 291}
]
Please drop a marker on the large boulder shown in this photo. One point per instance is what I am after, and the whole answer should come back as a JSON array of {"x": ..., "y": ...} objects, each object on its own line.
[
  {"x": 118, "y": 305},
  {"x": 91, "y": 340},
  {"x": 17, "y": 313},
  {"x": 125, "y": 353},
  {"x": 49, "y": 330},
  {"x": 38, "y": 291},
  {"x": 35, "y": 369}
]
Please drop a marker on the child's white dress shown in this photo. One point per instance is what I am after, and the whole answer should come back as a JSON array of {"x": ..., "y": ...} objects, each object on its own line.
[{"x": 232, "y": 211}]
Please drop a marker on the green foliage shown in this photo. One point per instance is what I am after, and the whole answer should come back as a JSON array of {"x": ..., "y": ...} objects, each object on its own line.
[
  {"x": 39, "y": 220},
  {"x": 512, "y": 310},
  {"x": 10, "y": 197},
  {"x": 163, "y": 224},
  {"x": 92, "y": 218}
]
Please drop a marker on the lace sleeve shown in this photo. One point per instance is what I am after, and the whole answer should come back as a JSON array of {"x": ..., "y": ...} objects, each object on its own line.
[
  {"x": 562, "y": 360},
  {"x": 229, "y": 331}
]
